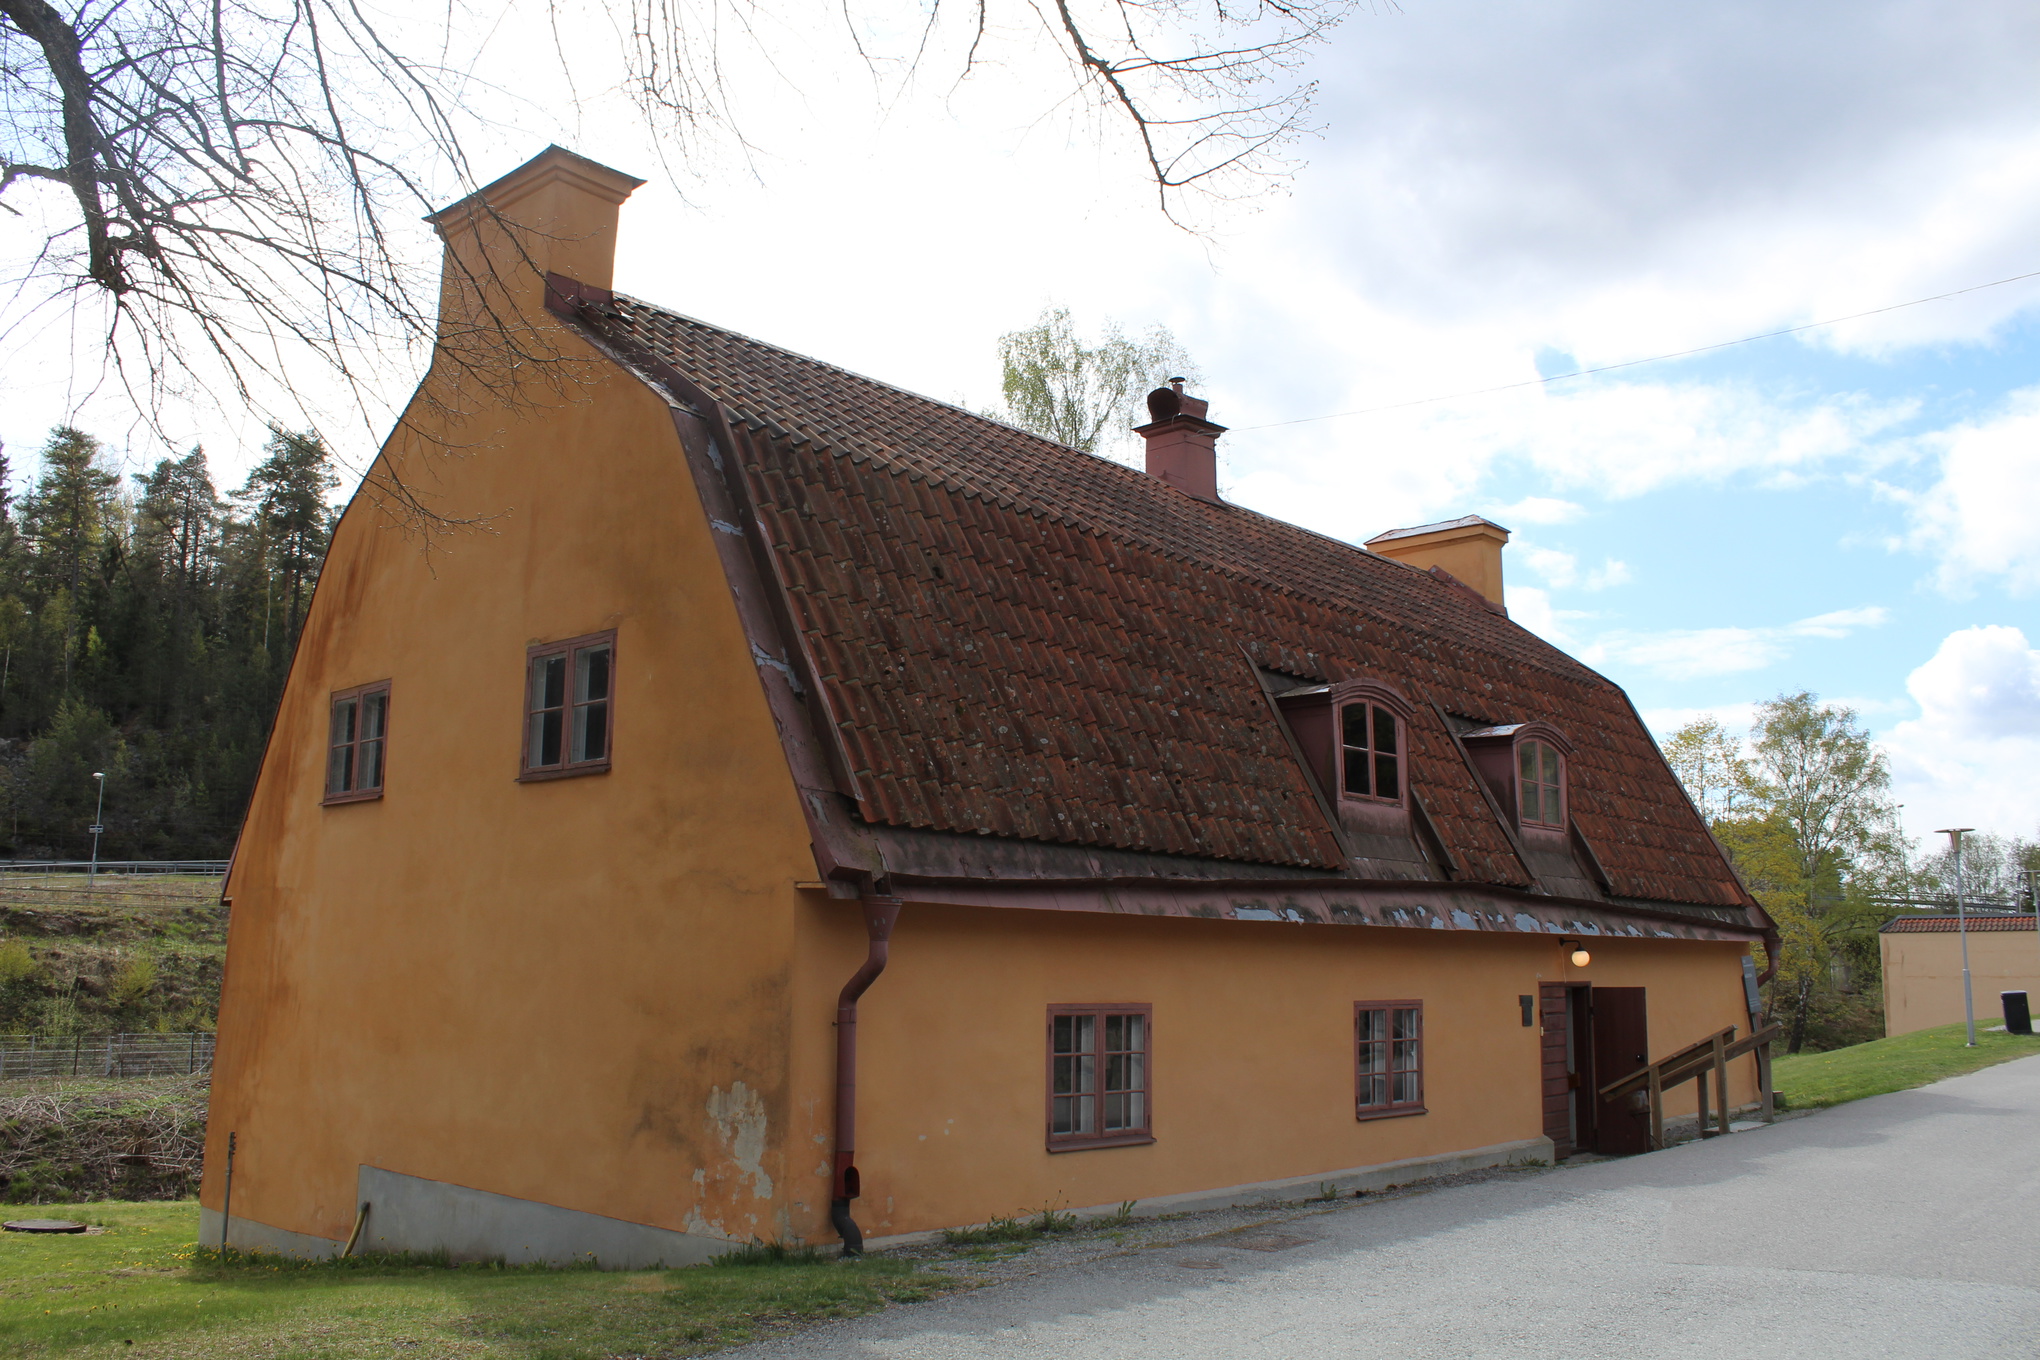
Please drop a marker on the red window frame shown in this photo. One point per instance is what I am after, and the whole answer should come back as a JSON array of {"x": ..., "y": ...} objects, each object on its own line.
[
  {"x": 1374, "y": 760},
  {"x": 1531, "y": 793},
  {"x": 1107, "y": 1081},
  {"x": 575, "y": 711},
  {"x": 355, "y": 743},
  {"x": 1388, "y": 1060}
]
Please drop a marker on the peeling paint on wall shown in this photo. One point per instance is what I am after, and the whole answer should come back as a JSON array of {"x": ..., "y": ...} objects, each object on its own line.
[{"x": 739, "y": 1118}]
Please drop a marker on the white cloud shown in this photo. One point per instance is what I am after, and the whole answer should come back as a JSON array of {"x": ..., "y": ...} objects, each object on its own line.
[
  {"x": 1688, "y": 653},
  {"x": 1969, "y": 758},
  {"x": 1616, "y": 440},
  {"x": 1840, "y": 623},
  {"x": 1535, "y": 510},
  {"x": 1633, "y": 180},
  {"x": 1662, "y": 722},
  {"x": 1561, "y": 570},
  {"x": 1532, "y": 608},
  {"x": 1979, "y": 517}
]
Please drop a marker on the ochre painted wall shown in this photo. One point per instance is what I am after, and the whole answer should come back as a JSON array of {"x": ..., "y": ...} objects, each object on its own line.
[
  {"x": 1252, "y": 1047},
  {"x": 572, "y": 991},
  {"x": 1923, "y": 976}
]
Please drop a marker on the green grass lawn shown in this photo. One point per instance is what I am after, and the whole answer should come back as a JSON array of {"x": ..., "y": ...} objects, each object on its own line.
[
  {"x": 1812, "y": 1080},
  {"x": 143, "y": 1289}
]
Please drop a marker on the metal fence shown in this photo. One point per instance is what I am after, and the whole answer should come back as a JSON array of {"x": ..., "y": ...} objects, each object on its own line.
[
  {"x": 24, "y": 1057},
  {"x": 193, "y": 868}
]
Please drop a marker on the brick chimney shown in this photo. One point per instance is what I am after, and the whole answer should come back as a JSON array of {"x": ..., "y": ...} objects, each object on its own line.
[
  {"x": 556, "y": 213},
  {"x": 1469, "y": 549},
  {"x": 1181, "y": 443}
]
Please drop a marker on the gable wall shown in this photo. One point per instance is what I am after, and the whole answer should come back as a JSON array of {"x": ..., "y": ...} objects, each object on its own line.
[{"x": 570, "y": 991}]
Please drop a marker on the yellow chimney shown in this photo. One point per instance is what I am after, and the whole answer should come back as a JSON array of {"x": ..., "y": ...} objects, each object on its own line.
[
  {"x": 1469, "y": 547},
  {"x": 556, "y": 213}
]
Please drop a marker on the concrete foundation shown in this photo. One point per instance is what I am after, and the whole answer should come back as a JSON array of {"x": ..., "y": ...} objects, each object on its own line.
[
  {"x": 410, "y": 1213},
  {"x": 1293, "y": 1188}
]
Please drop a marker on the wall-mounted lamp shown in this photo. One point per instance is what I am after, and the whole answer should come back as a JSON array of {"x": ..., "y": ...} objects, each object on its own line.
[{"x": 1580, "y": 957}]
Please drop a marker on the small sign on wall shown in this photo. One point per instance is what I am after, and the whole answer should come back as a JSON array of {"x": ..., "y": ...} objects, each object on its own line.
[{"x": 1749, "y": 982}]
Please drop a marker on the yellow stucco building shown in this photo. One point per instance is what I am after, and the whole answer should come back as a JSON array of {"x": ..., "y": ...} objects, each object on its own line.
[{"x": 804, "y": 810}]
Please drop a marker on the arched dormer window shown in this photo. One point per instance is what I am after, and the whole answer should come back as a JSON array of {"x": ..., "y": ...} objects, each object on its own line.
[
  {"x": 1527, "y": 766},
  {"x": 1355, "y": 736},
  {"x": 1540, "y": 783},
  {"x": 1370, "y": 751}
]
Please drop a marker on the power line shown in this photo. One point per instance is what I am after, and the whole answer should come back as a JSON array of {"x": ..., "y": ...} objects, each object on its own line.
[{"x": 1632, "y": 363}]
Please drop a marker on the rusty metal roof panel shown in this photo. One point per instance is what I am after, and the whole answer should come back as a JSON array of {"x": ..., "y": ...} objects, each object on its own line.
[{"x": 950, "y": 576}]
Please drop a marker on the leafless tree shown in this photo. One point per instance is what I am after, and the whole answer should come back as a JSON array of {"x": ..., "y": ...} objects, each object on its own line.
[{"x": 227, "y": 185}]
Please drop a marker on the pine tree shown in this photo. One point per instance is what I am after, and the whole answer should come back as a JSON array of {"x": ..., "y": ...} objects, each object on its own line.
[{"x": 287, "y": 491}]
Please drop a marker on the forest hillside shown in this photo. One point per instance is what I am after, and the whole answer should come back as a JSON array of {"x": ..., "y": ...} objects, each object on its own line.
[{"x": 146, "y": 626}]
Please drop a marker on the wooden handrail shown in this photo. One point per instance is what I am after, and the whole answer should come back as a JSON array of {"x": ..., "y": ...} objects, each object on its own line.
[
  {"x": 1712, "y": 1054},
  {"x": 1702, "y": 1052}
]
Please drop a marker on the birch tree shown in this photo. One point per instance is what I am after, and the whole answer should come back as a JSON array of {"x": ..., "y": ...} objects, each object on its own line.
[{"x": 1058, "y": 387}]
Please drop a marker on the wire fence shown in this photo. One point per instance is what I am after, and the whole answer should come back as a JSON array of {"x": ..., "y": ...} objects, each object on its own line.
[{"x": 29, "y": 1057}]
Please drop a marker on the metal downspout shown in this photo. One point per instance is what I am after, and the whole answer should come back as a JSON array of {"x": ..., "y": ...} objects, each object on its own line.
[{"x": 881, "y": 910}]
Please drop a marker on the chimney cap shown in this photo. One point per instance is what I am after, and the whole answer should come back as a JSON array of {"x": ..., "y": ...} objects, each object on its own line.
[
  {"x": 553, "y": 164},
  {"x": 1168, "y": 403},
  {"x": 1473, "y": 524}
]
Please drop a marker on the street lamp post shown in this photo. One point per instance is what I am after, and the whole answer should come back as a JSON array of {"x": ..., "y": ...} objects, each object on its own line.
[
  {"x": 99, "y": 825},
  {"x": 1954, "y": 834}
]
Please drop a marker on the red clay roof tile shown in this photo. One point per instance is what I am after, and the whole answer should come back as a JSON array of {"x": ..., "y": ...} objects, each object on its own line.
[
  {"x": 1947, "y": 925},
  {"x": 951, "y": 576}
]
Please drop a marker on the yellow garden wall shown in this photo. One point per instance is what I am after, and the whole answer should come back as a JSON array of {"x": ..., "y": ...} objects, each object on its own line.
[{"x": 1923, "y": 975}]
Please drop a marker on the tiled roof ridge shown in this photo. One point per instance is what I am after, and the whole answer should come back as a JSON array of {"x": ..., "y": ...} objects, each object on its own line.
[
  {"x": 637, "y": 301},
  {"x": 1948, "y": 925},
  {"x": 1571, "y": 667}
]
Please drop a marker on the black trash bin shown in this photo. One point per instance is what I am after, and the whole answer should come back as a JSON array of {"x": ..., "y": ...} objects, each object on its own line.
[{"x": 2018, "y": 1017}]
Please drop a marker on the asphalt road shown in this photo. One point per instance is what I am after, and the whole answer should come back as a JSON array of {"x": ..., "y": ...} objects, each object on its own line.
[{"x": 1904, "y": 1226}]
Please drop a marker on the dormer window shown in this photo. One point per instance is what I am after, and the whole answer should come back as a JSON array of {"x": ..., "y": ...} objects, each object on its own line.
[
  {"x": 1354, "y": 736},
  {"x": 1524, "y": 764},
  {"x": 1540, "y": 784},
  {"x": 1369, "y": 752}
]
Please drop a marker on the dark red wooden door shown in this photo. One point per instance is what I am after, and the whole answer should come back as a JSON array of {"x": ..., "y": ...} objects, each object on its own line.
[
  {"x": 1621, "y": 1045},
  {"x": 1553, "y": 1014}
]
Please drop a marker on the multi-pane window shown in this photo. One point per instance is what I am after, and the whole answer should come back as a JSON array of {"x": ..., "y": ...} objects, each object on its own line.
[
  {"x": 1388, "y": 1058},
  {"x": 1368, "y": 752},
  {"x": 569, "y": 693},
  {"x": 1538, "y": 784},
  {"x": 356, "y": 734},
  {"x": 1097, "y": 1075}
]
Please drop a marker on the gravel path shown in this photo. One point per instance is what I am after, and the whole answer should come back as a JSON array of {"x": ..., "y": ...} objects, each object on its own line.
[{"x": 1903, "y": 1226}]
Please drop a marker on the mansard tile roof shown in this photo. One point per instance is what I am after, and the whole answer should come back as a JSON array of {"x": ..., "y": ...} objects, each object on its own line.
[{"x": 1017, "y": 639}]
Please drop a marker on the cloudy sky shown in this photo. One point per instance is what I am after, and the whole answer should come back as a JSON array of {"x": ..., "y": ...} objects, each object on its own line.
[{"x": 1503, "y": 191}]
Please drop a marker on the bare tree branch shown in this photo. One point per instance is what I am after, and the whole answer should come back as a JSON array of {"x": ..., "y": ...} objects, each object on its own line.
[{"x": 243, "y": 174}]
